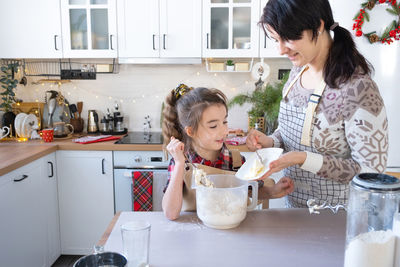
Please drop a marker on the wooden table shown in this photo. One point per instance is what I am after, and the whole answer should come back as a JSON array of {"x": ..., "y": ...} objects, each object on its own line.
[{"x": 274, "y": 237}]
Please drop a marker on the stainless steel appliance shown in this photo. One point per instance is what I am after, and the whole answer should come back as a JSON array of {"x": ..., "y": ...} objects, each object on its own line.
[
  {"x": 93, "y": 119},
  {"x": 127, "y": 162}
]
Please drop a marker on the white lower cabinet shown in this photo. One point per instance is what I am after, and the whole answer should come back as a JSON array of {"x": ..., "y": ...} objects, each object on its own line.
[
  {"x": 86, "y": 202},
  {"x": 26, "y": 204},
  {"x": 50, "y": 203}
]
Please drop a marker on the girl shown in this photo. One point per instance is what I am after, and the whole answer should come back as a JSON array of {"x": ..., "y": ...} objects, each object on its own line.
[{"x": 194, "y": 129}]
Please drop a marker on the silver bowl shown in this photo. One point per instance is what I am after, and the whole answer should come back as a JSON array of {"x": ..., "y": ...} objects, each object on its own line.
[{"x": 103, "y": 259}]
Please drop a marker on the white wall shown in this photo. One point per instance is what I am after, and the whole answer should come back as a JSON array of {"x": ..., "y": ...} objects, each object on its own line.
[{"x": 141, "y": 89}]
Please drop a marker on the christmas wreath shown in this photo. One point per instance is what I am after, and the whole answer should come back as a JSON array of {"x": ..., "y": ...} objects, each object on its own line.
[{"x": 391, "y": 33}]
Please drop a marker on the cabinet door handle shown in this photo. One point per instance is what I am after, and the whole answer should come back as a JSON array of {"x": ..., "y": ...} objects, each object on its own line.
[
  {"x": 207, "y": 39},
  {"x": 55, "y": 42},
  {"x": 102, "y": 166},
  {"x": 52, "y": 170},
  {"x": 111, "y": 43},
  {"x": 154, "y": 42},
  {"x": 265, "y": 41},
  {"x": 24, "y": 176},
  {"x": 164, "y": 35}
]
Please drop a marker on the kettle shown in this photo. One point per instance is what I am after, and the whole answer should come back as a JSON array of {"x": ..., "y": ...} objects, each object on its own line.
[{"x": 93, "y": 120}]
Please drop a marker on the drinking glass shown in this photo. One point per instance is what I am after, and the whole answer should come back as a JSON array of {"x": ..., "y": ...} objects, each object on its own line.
[{"x": 135, "y": 242}]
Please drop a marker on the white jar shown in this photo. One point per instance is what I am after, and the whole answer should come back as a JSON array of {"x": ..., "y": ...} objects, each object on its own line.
[{"x": 373, "y": 202}]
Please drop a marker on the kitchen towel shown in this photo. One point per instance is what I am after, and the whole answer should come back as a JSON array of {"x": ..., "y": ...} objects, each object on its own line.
[
  {"x": 142, "y": 190},
  {"x": 236, "y": 141},
  {"x": 94, "y": 139}
]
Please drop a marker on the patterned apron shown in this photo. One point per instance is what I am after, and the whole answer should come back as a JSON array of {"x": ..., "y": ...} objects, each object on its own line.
[{"x": 307, "y": 185}]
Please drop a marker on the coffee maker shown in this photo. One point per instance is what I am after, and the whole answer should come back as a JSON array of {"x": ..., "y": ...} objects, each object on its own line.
[{"x": 93, "y": 119}]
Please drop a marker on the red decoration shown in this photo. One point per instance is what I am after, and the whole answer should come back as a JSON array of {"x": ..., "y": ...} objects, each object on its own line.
[{"x": 392, "y": 32}]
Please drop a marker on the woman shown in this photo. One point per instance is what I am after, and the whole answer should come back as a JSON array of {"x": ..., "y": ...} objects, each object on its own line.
[{"x": 332, "y": 121}]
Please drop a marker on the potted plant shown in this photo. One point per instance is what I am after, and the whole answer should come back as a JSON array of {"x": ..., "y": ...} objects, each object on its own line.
[
  {"x": 8, "y": 84},
  {"x": 265, "y": 102},
  {"x": 230, "y": 66}
]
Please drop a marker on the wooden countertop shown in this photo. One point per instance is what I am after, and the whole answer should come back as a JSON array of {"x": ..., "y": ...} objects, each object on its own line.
[{"x": 15, "y": 154}]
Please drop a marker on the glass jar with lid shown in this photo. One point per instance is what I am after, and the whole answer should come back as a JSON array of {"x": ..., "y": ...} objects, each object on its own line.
[{"x": 373, "y": 202}]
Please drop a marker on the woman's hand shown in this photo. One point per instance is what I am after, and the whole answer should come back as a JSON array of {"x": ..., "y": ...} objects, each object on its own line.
[
  {"x": 176, "y": 148},
  {"x": 256, "y": 140},
  {"x": 282, "y": 188},
  {"x": 286, "y": 160}
]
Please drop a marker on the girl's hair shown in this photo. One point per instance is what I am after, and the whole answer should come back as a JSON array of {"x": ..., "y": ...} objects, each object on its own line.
[
  {"x": 289, "y": 18},
  {"x": 184, "y": 108}
]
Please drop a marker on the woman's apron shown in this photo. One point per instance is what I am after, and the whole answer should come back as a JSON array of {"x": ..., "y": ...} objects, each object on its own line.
[{"x": 307, "y": 186}]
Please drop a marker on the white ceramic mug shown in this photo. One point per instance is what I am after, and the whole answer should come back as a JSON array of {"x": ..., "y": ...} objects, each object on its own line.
[{"x": 4, "y": 132}]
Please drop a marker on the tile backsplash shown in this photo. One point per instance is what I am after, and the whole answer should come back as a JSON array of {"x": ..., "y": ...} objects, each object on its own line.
[{"x": 140, "y": 90}]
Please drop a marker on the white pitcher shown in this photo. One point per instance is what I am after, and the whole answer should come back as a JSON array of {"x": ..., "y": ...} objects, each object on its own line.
[{"x": 4, "y": 132}]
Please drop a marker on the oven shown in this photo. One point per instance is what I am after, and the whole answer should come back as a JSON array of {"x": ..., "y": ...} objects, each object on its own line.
[{"x": 128, "y": 162}]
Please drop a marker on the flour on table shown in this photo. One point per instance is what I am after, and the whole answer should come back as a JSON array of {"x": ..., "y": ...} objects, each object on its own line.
[
  {"x": 184, "y": 224},
  {"x": 372, "y": 249}
]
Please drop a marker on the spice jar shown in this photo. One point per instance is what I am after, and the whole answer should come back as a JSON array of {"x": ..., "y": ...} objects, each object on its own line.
[
  {"x": 104, "y": 125},
  {"x": 373, "y": 202}
]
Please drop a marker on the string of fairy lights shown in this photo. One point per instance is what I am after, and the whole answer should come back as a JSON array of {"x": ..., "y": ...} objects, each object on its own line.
[{"x": 223, "y": 82}]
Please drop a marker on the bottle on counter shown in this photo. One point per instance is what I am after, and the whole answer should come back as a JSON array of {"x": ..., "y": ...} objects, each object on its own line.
[
  {"x": 118, "y": 122},
  {"x": 104, "y": 125},
  {"x": 374, "y": 200},
  {"x": 396, "y": 231}
]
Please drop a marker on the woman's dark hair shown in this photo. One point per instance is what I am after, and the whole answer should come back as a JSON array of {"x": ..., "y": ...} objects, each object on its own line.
[
  {"x": 185, "y": 110},
  {"x": 289, "y": 18}
]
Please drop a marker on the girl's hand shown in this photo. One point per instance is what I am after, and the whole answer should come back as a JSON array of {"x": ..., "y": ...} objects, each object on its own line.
[
  {"x": 282, "y": 188},
  {"x": 256, "y": 140},
  {"x": 286, "y": 160},
  {"x": 176, "y": 148}
]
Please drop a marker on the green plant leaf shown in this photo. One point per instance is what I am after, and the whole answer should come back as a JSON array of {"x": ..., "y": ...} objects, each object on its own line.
[
  {"x": 368, "y": 34},
  {"x": 394, "y": 12},
  {"x": 366, "y": 15},
  {"x": 388, "y": 29},
  {"x": 356, "y": 16},
  {"x": 265, "y": 102}
]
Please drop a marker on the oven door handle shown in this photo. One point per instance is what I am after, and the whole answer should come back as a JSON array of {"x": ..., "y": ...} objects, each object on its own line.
[
  {"x": 143, "y": 168},
  {"x": 128, "y": 174}
]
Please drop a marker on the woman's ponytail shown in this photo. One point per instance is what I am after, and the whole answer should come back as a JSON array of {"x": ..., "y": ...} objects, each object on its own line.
[{"x": 343, "y": 58}]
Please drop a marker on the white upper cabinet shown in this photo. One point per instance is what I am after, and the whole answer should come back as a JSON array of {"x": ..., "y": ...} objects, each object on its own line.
[
  {"x": 30, "y": 29},
  {"x": 89, "y": 28},
  {"x": 230, "y": 28},
  {"x": 268, "y": 47},
  {"x": 158, "y": 29}
]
